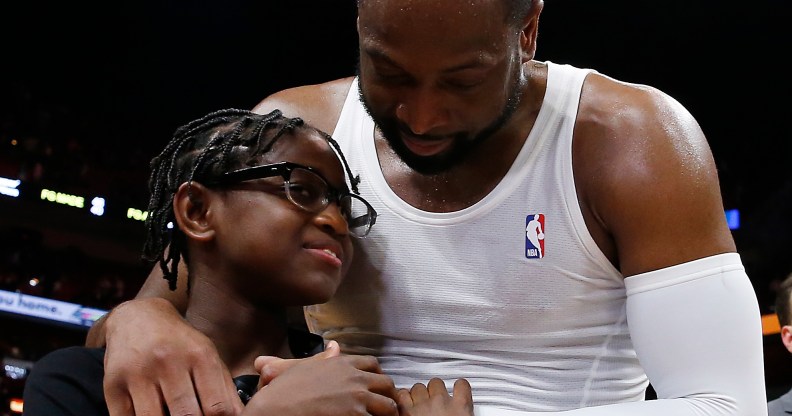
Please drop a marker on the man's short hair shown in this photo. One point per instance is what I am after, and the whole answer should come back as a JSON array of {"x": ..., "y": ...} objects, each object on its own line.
[{"x": 782, "y": 304}]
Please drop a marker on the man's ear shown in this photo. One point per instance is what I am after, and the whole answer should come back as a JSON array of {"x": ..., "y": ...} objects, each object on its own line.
[
  {"x": 786, "y": 336},
  {"x": 530, "y": 30},
  {"x": 193, "y": 210}
]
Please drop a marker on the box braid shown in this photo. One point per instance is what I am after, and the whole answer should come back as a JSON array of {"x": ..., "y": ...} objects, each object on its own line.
[{"x": 201, "y": 150}]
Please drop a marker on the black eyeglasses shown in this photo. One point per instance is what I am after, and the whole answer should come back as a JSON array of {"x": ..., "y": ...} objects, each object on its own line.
[{"x": 309, "y": 190}]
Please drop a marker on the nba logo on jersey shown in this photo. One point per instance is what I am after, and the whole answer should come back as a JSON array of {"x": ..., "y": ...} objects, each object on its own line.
[{"x": 534, "y": 236}]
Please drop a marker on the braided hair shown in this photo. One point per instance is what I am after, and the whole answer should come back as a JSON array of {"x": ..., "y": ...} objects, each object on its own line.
[{"x": 202, "y": 150}]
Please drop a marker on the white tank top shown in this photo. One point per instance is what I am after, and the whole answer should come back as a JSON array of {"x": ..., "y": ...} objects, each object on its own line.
[{"x": 511, "y": 293}]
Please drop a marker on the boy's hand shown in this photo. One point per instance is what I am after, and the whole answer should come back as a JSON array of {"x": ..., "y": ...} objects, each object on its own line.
[
  {"x": 270, "y": 367},
  {"x": 327, "y": 384},
  {"x": 434, "y": 400}
]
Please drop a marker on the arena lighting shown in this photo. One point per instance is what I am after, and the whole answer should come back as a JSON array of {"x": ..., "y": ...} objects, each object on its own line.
[
  {"x": 15, "y": 372},
  {"x": 136, "y": 214},
  {"x": 733, "y": 218},
  {"x": 30, "y": 191},
  {"x": 62, "y": 198},
  {"x": 97, "y": 206},
  {"x": 16, "y": 406},
  {"x": 9, "y": 187},
  {"x": 34, "y": 282}
]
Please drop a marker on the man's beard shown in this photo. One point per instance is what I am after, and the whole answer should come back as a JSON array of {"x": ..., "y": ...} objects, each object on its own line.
[{"x": 463, "y": 145}]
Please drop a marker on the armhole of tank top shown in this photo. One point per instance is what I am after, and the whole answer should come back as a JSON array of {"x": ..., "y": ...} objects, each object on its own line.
[
  {"x": 346, "y": 116},
  {"x": 576, "y": 81}
]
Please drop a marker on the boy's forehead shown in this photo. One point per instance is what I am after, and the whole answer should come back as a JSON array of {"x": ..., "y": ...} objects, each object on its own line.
[
  {"x": 302, "y": 143},
  {"x": 307, "y": 147}
]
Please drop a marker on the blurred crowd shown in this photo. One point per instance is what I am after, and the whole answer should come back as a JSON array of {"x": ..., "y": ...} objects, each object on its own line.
[
  {"x": 68, "y": 165},
  {"x": 29, "y": 266},
  {"x": 68, "y": 274},
  {"x": 71, "y": 149}
]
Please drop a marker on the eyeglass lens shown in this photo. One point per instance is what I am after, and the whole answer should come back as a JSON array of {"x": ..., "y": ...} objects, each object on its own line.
[{"x": 311, "y": 192}]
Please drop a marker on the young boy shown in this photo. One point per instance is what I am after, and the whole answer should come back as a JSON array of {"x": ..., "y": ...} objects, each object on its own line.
[{"x": 259, "y": 208}]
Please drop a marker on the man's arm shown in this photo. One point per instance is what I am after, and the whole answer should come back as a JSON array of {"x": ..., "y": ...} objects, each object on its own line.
[
  {"x": 652, "y": 184},
  {"x": 649, "y": 191},
  {"x": 646, "y": 178},
  {"x": 155, "y": 286},
  {"x": 697, "y": 332},
  {"x": 155, "y": 358}
]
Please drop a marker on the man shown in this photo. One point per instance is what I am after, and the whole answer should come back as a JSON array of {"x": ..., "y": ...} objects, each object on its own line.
[
  {"x": 783, "y": 405},
  {"x": 462, "y": 139}
]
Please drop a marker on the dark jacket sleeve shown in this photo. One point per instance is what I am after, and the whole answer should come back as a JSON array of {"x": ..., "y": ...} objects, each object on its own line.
[{"x": 66, "y": 382}]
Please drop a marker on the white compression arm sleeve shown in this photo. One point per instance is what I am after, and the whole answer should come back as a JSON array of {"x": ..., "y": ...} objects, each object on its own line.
[{"x": 696, "y": 328}]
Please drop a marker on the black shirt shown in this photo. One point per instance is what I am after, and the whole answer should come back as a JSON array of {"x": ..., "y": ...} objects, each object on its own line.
[{"x": 68, "y": 381}]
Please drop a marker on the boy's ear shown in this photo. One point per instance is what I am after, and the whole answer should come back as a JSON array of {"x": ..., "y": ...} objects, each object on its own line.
[
  {"x": 192, "y": 208},
  {"x": 786, "y": 336}
]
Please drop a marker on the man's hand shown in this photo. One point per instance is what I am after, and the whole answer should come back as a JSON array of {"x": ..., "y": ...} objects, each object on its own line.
[
  {"x": 155, "y": 360},
  {"x": 433, "y": 400},
  {"x": 326, "y": 384}
]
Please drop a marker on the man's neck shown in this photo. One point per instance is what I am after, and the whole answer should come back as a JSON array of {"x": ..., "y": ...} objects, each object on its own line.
[{"x": 474, "y": 178}]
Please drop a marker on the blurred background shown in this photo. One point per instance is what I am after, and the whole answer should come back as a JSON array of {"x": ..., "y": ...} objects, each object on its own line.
[{"x": 90, "y": 92}]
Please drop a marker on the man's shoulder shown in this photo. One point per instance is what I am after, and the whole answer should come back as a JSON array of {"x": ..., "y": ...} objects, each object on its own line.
[
  {"x": 633, "y": 120},
  {"x": 645, "y": 176},
  {"x": 623, "y": 104},
  {"x": 318, "y": 104}
]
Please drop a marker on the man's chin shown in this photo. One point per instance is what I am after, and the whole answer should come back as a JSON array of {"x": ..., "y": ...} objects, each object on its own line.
[
  {"x": 425, "y": 165},
  {"x": 427, "y": 157},
  {"x": 427, "y": 148}
]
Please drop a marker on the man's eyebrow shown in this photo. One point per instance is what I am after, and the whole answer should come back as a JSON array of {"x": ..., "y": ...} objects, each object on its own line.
[
  {"x": 475, "y": 63},
  {"x": 379, "y": 55}
]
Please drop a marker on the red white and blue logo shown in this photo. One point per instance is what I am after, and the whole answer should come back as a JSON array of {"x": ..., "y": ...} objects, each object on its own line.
[{"x": 534, "y": 236}]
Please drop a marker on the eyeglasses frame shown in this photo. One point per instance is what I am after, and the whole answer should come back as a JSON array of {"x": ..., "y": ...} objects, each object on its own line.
[{"x": 284, "y": 170}]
